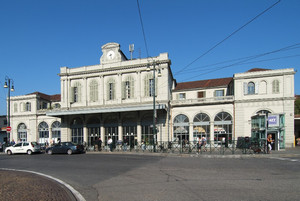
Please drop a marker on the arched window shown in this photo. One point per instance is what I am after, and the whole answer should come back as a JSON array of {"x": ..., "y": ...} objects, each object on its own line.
[
  {"x": 93, "y": 126},
  {"x": 275, "y": 86},
  {"x": 201, "y": 127},
  {"x": 93, "y": 91},
  {"x": 111, "y": 129},
  {"x": 263, "y": 112},
  {"x": 147, "y": 129},
  {"x": 77, "y": 130},
  {"x": 181, "y": 128},
  {"x": 263, "y": 87},
  {"x": 251, "y": 88},
  {"x": 43, "y": 132},
  {"x": 56, "y": 135},
  {"x": 223, "y": 129},
  {"x": 22, "y": 132},
  {"x": 130, "y": 130},
  {"x": 27, "y": 107}
]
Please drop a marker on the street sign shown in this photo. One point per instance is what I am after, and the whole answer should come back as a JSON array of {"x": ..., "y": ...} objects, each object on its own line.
[{"x": 8, "y": 128}]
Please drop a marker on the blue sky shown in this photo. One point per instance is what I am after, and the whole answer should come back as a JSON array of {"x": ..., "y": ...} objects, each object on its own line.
[{"x": 38, "y": 37}]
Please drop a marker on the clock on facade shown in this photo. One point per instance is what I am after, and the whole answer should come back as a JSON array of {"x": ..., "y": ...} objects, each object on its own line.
[{"x": 110, "y": 54}]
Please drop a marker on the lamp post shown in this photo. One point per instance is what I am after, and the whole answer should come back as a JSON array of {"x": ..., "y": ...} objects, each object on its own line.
[
  {"x": 9, "y": 83},
  {"x": 154, "y": 107}
]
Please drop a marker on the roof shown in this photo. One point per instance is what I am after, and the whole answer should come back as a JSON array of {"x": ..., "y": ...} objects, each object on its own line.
[
  {"x": 55, "y": 97},
  {"x": 257, "y": 69},
  {"x": 204, "y": 83}
]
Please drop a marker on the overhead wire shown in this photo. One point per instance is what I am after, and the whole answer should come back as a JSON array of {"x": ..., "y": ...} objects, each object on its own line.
[
  {"x": 230, "y": 35},
  {"x": 143, "y": 30}
]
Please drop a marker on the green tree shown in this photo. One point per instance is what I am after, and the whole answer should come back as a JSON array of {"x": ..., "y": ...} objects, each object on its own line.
[{"x": 297, "y": 105}]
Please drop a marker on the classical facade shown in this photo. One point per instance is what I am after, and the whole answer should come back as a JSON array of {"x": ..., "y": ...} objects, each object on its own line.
[{"x": 116, "y": 99}]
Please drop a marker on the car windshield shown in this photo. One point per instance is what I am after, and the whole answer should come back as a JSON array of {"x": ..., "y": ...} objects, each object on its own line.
[{"x": 34, "y": 143}]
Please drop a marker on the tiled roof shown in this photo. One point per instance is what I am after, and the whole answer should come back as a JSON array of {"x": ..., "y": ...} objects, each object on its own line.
[
  {"x": 55, "y": 97},
  {"x": 204, "y": 83},
  {"x": 257, "y": 69}
]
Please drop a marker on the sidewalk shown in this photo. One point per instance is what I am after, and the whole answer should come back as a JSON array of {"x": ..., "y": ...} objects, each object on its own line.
[{"x": 24, "y": 186}]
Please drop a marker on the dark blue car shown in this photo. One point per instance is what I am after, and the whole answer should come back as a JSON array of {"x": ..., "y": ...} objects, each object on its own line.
[{"x": 65, "y": 148}]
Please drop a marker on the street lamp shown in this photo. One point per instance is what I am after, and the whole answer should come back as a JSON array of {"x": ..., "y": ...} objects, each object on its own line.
[
  {"x": 154, "y": 107},
  {"x": 7, "y": 83}
]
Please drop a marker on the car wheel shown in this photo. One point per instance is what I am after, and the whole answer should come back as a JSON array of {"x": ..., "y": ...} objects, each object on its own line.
[
  {"x": 69, "y": 151},
  {"x": 9, "y": 152},
  {"x": 29, "y": 152},
  {"x": 49, "y": 152}
]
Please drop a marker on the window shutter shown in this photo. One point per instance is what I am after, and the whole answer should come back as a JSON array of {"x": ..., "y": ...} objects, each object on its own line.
[
  {"x": 256, "y": 87},
  {"x": 146, "y": 87},
  {"x": 107, "y": 91},
  {"x": 113, "y": 91},
  {"x": 156, "y": 88},
  {"x": 132, "y": 89},
  {"x": 79, "y": 93},
  {"x": 245, "y": 88},
  {"x": 72, "y": 95},
  {"x": 123, "y": 91}
]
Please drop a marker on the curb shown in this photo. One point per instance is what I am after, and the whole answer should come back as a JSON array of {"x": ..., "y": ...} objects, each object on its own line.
[{"x": 74, "y": 192}]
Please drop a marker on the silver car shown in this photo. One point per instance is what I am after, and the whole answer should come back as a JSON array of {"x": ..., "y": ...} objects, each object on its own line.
[{"x": 23, "y": 148}]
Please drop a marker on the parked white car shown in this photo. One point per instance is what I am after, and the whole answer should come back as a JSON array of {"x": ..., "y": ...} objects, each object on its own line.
[{"x": 23, "y": 148}]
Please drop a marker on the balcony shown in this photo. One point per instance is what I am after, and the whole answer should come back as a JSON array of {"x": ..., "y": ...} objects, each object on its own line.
[{"x": 203, "y": 101}]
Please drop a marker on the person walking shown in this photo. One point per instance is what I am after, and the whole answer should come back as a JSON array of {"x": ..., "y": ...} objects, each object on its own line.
[
  {"x": 125, "y": 143},
  {"x": 99, "y": 144},
  {"x": 269, "y": 143},
  {"x": 110, "y": 143}
]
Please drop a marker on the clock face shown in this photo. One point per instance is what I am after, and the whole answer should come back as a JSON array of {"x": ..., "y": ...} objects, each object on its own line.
[{"x": 110, "y": 54}]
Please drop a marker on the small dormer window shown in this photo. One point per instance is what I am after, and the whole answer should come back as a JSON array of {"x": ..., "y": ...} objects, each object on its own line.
[{"x": 182, "y": 96}]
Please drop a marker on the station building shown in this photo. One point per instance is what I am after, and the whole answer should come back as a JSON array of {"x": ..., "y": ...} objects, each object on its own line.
[{"x": 116, "y": 99}]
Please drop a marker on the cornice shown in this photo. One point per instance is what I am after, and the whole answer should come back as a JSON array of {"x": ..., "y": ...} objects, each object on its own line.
[
  {"x": 113, "y": 69},
  {"x": 264, "y": 99}
]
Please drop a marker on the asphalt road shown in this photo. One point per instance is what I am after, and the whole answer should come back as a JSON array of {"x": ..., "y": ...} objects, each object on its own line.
[{"x": 147, "y": 177}]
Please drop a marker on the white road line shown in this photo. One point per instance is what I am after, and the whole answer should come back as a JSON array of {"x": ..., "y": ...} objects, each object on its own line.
[
  {"x": 285, "y": 159},
  {"x": 78, "y": 196}
]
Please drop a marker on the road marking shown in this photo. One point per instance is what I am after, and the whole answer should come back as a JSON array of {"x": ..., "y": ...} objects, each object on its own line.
[
  {"x": 78, "y": 196},
  {"x": 285, "y": 159}
]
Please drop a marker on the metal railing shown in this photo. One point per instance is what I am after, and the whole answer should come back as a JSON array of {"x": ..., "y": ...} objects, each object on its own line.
[{"x": 240, "y": 146}]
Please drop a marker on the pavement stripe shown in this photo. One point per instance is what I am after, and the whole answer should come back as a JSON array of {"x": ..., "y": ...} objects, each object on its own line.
[
  {"x": 285, "y": 159},
  {"x": 78, "y": 196}
]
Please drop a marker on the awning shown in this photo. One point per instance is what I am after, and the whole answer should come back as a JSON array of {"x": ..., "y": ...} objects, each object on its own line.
[{"x": 76, "y": 111}]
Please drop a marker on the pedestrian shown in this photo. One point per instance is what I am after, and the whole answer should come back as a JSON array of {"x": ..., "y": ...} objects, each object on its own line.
[
  {"x": 269, "y": 143},
  {"x": 199, "y": 145},
  {"x": 125, "y": 142},
  {"x": 110, "y": 143},
  {"x": 203, "y": 143},
  {"x": 99, "y": 144},
  {"x": 143, "y": 146},
  {"x": 12, "y": 142}
]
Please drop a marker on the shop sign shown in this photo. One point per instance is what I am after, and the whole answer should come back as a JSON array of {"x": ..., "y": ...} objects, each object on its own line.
[{"x": 273, "y": 120}]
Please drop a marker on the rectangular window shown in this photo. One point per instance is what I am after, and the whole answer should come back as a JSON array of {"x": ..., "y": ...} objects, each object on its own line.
[
  {"x": 182, "y": 96},
  {"x": 219, "y": 93},
  {"x": 75, "y": 92},
  {"x": 111, "y": 91},
  {"x": 151, "y": 87},
  {"x": 127, "y": 89},
  {"x": 201, "y": 94}
]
